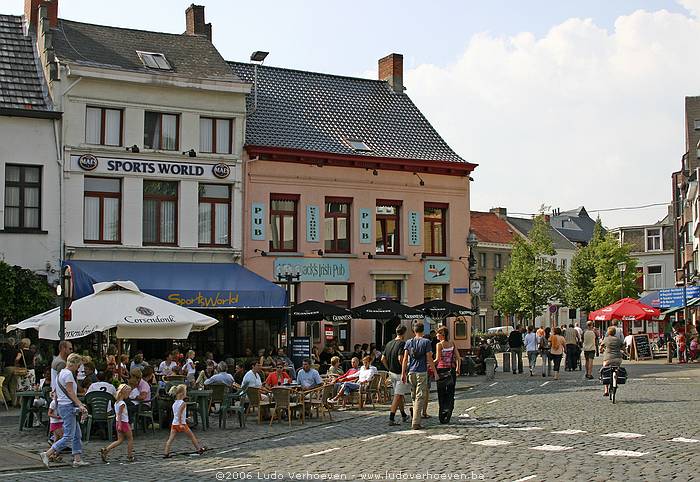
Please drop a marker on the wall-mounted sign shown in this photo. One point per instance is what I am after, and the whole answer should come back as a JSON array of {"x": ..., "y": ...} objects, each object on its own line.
[
  {"x": 460, "y": 291},
  {"x": 673, "y": 297},
  {"x": 257, "y": 220},
  {"x": 149, "y": 168},
  {"x": 316, "y": 269},
  {"x": 436, "y": 271},
  {"x": 365, "y": 225},
  {"x": 312, "y": 222},
  {"x": 414, "y": 228}
]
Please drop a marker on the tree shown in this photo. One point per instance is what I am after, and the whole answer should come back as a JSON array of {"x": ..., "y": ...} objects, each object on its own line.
[
  {"x": 582, "y": 272},
  {"x": 606, "y": 284},
  {"x": 531, "y": 280},
  {"x": 22, "y": 294}
]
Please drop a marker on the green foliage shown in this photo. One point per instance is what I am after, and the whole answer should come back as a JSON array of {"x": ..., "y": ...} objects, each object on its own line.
[
  {"x": 22, "y": 294},
  {"x": 531, "y": 280}
]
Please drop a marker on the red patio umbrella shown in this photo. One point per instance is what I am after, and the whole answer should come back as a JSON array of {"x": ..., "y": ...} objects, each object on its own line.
[{"x": 626, "y": 309}]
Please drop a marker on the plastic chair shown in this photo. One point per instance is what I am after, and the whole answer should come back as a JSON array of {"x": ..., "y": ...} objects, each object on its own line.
[
  {"x": 228, "y": 406},
  {"x": 147, "y": 412},
  {"x": 255, "y": 401},
  {"x": 2, "y": 393},
  {"x": 219, "y": 392},
  {"x": 282, "y": 402},
  {"x": 98, "y": 403}
]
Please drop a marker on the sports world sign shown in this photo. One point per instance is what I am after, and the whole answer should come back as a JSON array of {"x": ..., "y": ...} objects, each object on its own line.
[{"x": 150, "y": 168}]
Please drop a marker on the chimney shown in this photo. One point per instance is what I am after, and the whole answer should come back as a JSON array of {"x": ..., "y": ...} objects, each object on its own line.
[
  {"x": 391, "y": 70},
  {"x": 502, "y": 213},
  {"x": 194, "y": 21},
  {"x": 31, "y": 12}
]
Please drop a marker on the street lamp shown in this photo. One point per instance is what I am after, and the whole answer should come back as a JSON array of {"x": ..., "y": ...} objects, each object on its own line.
[
  {"x": 65, "y": 293},
  {"x": 474, "y": 285},
  {"x": 288, "y": 276},
  {"x": 622, "y": 267}
]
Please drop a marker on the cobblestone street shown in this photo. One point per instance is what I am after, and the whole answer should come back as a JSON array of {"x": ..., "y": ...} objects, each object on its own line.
[{"x": 516, "y": 427}]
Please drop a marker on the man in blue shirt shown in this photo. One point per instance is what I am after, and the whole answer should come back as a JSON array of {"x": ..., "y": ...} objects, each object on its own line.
[
  {"x": 417, "y": 358},
  {"x": 308, "y": 377}
]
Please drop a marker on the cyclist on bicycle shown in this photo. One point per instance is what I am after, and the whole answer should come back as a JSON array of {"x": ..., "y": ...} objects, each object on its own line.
[{"x": 612, "y": 348}]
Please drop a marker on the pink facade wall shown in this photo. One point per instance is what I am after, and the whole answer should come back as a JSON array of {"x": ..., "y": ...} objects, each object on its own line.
[{"x": 313, "y": 184}]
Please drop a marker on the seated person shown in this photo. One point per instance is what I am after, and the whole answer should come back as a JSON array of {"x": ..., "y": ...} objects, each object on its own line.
[
  {"x": 104, "y": 384},
  {"x": 289, "y": 364},
  {"x": 169, "y": 366},
  {"x": 265, "y": 358},
  {"x": 149, "y": 375},
  {"x": 222, "y": 376},
  {"x": 138, "y": 362},
  {"x": 363, "y": 377},
  {"x": 325, "y": 358},
  {"x": 252, "y": 380},
  {"x": 278, "y": 377},
  {"x": 206, "y": 374},
  {"x": 308, "y": 377},
  {"x": 89, "y": 379},
  {"x": 140, "y": 393},
  {"x": 239, "y": 373},
  {"x": 356, "y": 351},
  {"x": 334, "y": 370}
]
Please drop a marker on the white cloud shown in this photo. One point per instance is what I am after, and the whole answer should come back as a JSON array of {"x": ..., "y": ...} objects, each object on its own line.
[{"x": 579, "y": 116}]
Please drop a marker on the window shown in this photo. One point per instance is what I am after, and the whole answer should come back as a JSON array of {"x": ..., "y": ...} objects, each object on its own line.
[
  {"x": 482, "y": 260},
  {"x": 283, "y": 222},
  {"x": 214, "y": 225},
  {"x": 654, "y": 239},
  {"x": 388, "y": 289},
  {"x": 654, "y": 279},
  {"x": 696, "y": 124},
  {"x": 339, "y": 295},
  {"x": 460, "y": 329},
  {"x": 216, "y": 135},
  {"x": 434, "y": 218},
  {"x": 434, "y": 292},
  {"x": 161, "y": 131},
  {"x": 563, "y": 264},
  {"x": 22, "y": 197},
  {"x": 160, "y": 212},
  {"x": 102, "y": 210},
  {"x": 154, "y": 60},
  {"x": 497, "y": 261},
  {"x": 358, "y": 145},
  {"x": 388, "y": 227},
  {"x": 337, "y": 225},
  {"x": 103, "y": 126}
]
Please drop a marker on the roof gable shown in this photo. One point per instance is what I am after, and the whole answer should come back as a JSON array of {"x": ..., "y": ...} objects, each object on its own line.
[
  {"x": 524, "y": 226},
  {"x": 489, "y": 228}
]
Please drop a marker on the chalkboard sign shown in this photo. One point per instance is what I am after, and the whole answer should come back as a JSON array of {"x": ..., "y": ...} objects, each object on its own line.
[
  {"x": 642, "y": 348},
  {"x": 301, "y": 348}
]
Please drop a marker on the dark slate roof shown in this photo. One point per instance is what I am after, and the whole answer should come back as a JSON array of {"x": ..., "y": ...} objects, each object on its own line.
[
  {"x": 21, "y": 82},
  {"x": 525, "y": 226},
  {"x": 319, "y": 112},
  {"x": 190, "y": 56},
  {"x": 576, "y": 225}
]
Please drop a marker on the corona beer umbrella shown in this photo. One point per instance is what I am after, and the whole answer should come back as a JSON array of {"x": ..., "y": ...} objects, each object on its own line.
[{"x": 627, "y": 309}]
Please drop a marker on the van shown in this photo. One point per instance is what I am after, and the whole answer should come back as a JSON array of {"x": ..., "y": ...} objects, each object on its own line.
[{"x": 502, "y": 329}]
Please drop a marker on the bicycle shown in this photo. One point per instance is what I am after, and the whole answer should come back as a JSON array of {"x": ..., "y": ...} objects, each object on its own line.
[{"x": 613, "y": 376}]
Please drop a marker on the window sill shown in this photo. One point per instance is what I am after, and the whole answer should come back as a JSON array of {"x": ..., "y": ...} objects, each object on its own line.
[
  {"x": 285, "y": 254},
  {"x": 390, "y": 256},
  {"x": 23, "y": 231},
  {"x": 437, "y": 257},
  {"x": 339, "y": 255}
]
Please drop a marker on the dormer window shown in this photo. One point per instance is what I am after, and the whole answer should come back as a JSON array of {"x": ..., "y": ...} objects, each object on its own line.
[
  {"x": 358, "y": 145},
  {"x": 154, "y": 60}
]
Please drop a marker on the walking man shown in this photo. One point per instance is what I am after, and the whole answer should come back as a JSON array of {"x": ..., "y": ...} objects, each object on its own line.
[
  {"x": 392, "y": 360},
  {"x": 515, "y": 343},
  {"x": 531, "y": 348},
  {"x": 589, "y": 342},
  {"x": 417, "y": 358},
  {"x": 572, "y": 340}
]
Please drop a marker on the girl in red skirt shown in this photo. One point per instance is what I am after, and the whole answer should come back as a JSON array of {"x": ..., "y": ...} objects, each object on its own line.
[{"x": 123, "y": 427}]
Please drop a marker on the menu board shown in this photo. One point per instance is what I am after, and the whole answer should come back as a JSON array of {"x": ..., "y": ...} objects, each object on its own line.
[
  {"x": 301, "y": 348},
  {"x": 642, "y": 348}
]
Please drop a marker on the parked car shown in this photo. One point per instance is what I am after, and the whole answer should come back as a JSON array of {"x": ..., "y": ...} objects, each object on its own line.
[{"x": 500, "y": 329}]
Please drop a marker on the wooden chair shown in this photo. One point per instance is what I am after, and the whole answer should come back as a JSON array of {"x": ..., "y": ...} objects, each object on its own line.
[
  {"x": 371, "y": 390},
  {"x": 384, "y": 385},
  {"x": 283, "y": 403},
  {"x": 98, "y": 408},
  {"x": 256, "y": 402},
  {"x": 318, "y": 399},
  {"x": 2, "y": 392}
]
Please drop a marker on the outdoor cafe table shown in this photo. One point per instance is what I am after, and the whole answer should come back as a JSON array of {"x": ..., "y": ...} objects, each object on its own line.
[
  {"x": 26, "y": 400},
  {"x": 201, "y": 397}
]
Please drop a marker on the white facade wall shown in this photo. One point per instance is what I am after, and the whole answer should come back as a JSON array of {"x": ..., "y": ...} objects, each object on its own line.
[
  {"x": 663, "y": 259},
  {"x": 31, "y": 141}
]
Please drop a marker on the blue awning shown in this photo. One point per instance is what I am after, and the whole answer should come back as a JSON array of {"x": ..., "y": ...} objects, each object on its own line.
[
  {"x": 651, "y": 299},
  {"x": 192, "y": 285}
]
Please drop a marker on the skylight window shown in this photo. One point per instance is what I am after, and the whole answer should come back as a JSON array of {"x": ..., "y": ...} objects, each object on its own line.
[
  {"x": 154, "y": 60},
  {"x": 358, "y": 145}
]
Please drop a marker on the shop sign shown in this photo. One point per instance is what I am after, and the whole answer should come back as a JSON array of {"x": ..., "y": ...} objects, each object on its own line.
[
  {"x": 328, "y": 330},
  {"x": 315, "y": 269},
  {"x": 673, "y": 297},
  {"x": 201, "y": 299},
  {"x": 414, "y": 228},
  {"x": 150, "y": 168},
  {"x": 436, "y": 271},
  {"x": 257, "y": 219},
  {"x": 365, "y": 225},
  {"x": 312, "y": 215}
]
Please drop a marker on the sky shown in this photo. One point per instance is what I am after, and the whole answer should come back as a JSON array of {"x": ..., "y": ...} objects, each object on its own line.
[{"x": 561, "y": 103}]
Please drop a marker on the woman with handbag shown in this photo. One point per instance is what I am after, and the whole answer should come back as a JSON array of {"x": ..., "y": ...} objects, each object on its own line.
[
  {"x": 24, "y": 363},
  {"x": 447, "y": 361}
]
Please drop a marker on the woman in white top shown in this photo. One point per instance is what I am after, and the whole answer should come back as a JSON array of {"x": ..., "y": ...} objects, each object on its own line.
[
  {"x": 67, "y": 401},
  {"x": 188, "y": 368}
]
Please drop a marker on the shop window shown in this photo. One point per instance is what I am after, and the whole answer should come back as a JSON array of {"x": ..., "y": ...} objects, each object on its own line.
[
  {"x": 103, "y": 126},
  {"x": 337, "y": 225},
  {"x": 161, "y": 131},
  {"x": 434, "y": 229},
  {"x": 102, "y": 210},
  {"x": 215, "y": 135},
  {"x": 214, "y": 208},
  {"x": 388, "y": 289},
  {"x": 160, "y": 213},
  {"x": 434, "y": 292},
  {"x": 388, "y": 227},
  {"x": 22, "y": 197},
  {"x": 283, "y": 222}
]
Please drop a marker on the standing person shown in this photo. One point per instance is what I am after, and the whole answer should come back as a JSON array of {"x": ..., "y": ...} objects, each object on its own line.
[
  {"x": 9, "y": 359},
  {"x": 556, "y": 351},
  {"x": 515, "y": 343},
  {"x": 572, "y": 339},
  {"x": 417, "y": 358},
  {"x": 531, "y": 348},
  {"x": 123, "y": 427},
  {"x": 67, "y": 401},
  {"x": 618, "y": 331},
  {"x": 65, "y": 348},
  {"x": 188, "y": 368},
  {"x": 179, "y": 424},
  {"x": 392, "y": 357},
  {"x": 612, "y": 348},
  {"x": 589, "y": 338},
  {"x": 447, "y": 360},
  {"x": 544, "y": 346}
]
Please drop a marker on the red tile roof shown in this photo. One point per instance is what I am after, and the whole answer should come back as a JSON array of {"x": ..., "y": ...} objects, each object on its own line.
[{"x": 489, "y": 228}]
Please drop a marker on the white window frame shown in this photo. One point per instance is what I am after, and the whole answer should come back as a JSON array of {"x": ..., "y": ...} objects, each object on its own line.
[
  {"x": 658, "y": 278},
  {"x": 696, "y": 124},
  {"x": 660, "y": 236},
  {"x": 154, "y": 60}
]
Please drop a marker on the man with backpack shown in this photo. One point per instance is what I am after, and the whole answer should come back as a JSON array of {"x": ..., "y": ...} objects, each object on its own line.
[{"x": 417, "y": 358}]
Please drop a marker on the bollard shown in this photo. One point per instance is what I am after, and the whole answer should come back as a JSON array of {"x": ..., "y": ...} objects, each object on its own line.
[
  {"x": 506, "y": 362},
  {"x": 490, "y": 368}
]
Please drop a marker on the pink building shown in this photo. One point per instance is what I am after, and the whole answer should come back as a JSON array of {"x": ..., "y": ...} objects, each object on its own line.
[{"x": 347, "y": 181}]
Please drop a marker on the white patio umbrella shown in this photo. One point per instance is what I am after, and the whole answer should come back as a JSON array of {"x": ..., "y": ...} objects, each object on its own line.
[{"x": 120, "y": 305}]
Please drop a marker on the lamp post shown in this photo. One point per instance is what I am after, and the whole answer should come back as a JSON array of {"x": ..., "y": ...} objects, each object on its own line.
[
  {"x": 65, "y": 293},
  {"x": 622, "y": 267},
  {"x": 288, "y": 276},
  {"x": 472, "y": 242}
]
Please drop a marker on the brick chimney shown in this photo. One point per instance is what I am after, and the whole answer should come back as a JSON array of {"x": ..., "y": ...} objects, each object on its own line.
[
  {"x": 31, "y": 12},
  {"x": 391, "y": 70},
  {"x": 502, "y": 213},
  {"x": 194, "y": 21}
]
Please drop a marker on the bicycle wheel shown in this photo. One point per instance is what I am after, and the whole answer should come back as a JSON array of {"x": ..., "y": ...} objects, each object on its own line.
[{"x": 613, "y": 390}]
